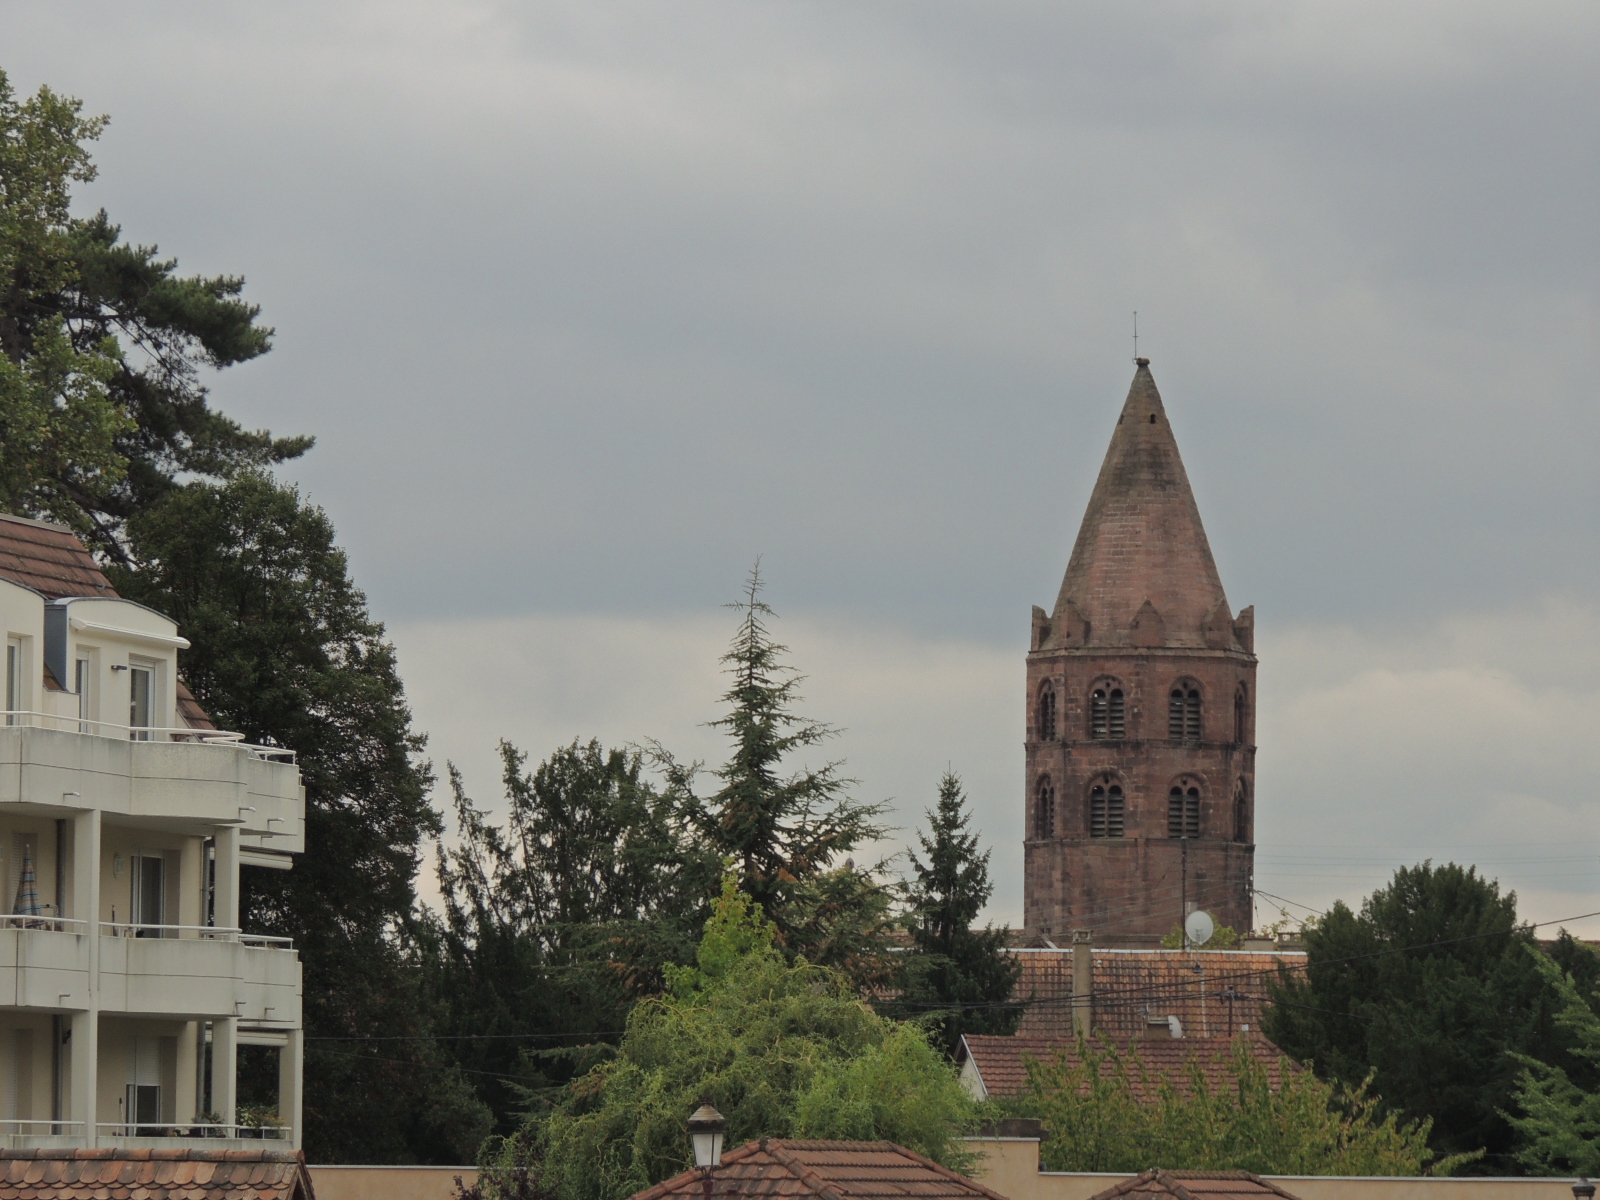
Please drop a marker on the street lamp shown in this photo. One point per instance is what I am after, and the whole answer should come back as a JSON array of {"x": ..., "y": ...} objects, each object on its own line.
[{"x": 706, "y": 1128}]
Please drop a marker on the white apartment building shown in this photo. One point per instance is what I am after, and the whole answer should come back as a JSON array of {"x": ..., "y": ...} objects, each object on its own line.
[{"x": 126, "y": 984}]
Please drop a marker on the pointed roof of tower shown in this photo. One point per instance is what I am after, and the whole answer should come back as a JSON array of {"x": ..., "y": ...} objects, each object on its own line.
[{"x": 1142, "y": 543}]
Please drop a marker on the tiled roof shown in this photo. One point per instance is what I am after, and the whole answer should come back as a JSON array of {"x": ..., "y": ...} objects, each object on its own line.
[
  {"x": 117, "y": 1174},
  {"x": 1195, "y": 1185},
  {"x": 49, "y": 558},
  {"x": 1002, "y": 1061},
  {"x": 1212, "y": 992},
  {"x": 831, "y": 1170}
]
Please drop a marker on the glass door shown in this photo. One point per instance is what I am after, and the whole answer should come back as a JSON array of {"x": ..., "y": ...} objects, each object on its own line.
[
  {"x": 149, "y": 894},
  {"x": 140, "y": 692}
]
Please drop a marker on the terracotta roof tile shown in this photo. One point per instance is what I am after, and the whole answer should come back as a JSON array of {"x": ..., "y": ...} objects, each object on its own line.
[
  {"x": 1212, "y": 992},
  {"x": 828, "y": 1170},
  {"x": 49, "y": 558},
  {"x": 1002, "y": 1062},
  {"x": 162, "y": 1174},
  {"x": 1157, "y": 1184}
]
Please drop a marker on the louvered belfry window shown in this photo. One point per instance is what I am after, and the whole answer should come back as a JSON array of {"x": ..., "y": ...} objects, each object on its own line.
[
  {"x": 1045, "y": 713},
  {"x": 1107, "y": 713},
  {"x": 1183, "y": 713},
  {"x": 1105, "y": 811},
  {"x": 1044, "y": 809},
  {"x": 1183, "y": 811}
]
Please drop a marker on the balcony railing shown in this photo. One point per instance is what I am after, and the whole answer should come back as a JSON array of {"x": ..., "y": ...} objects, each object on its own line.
[
  {"x": 210, "y": 933},
  {"x": 133, "y": 1129},
  {"x": 49, "y": 923},
  {"x": 142, "y": 733}
]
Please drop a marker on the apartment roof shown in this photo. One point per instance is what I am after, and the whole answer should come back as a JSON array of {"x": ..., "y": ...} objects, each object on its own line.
[
  {"x": 829, "y": 1170},
  {"x": 122, "y": 1174},
  {"x": 1212, "y": 992},
  {"x": 50, "y": 559},
  {"x": 1194, "y": 1185},
  {"x": 1002, "y": 1062}
]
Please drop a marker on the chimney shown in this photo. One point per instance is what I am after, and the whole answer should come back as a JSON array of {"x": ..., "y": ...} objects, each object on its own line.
[{"x": 1082, "y": 982}]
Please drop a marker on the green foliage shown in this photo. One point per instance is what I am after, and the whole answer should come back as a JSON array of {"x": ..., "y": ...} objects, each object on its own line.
[
  {"x": 1560, "y": 1122},
  {"x": 102, "y": 411},
  {"x": 285, "y": 651},
  {"x": 557, "y": 921},
  {"x": 959, "y": 976},
  {"x": 1105, "y": 1112},
  {"x": 1429, "y": 991},
  {"x": 784, "y": 831},
  {"x": 783, "y": 1049},
  {"x": 59, "y": 422},
  {"x": 1223, "y": 937}
]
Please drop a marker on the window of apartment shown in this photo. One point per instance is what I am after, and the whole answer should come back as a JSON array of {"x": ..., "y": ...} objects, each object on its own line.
[
  {"x": 83, "y": 684},
  {"x": 1183, "y": 811},
  {"x": 1106, "y": 810},
  {"x": 149, "y": 894},
  {"x": 142, "y": 1104},
  {"x": 14, "y": 696},
  {"x": 1107, "y": 712},
  {"x": 141, "y": 701}
]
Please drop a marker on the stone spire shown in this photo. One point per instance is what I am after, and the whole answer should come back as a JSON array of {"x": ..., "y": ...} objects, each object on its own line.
[{"x": 1141, "y": 572}]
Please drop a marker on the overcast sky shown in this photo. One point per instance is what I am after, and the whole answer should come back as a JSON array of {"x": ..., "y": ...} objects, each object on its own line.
[{"x": 588, "y": 304}]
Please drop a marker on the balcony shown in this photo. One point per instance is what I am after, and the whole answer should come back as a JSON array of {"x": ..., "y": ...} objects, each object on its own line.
[
  {"x": 149, "y": 970},
  {"x": 209, "y": 777}
]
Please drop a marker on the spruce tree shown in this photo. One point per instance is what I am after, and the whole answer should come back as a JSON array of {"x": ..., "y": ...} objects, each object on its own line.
[{"x": 965, "y": 975}]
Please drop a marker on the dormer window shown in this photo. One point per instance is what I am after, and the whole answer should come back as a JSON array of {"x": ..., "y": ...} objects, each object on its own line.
[
  {"x": 141, "y": 701},
  {"x": 14, "y": 692},
  {"x": 1107, "y": 712}
]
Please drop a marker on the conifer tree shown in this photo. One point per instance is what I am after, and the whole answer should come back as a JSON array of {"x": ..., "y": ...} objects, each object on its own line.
[
  {"x": 962, "y": 973},
  {"x": 783, "y": 828}
]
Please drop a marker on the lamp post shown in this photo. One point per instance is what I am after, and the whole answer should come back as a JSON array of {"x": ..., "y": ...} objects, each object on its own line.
[{"x": 706, "y": 1128}]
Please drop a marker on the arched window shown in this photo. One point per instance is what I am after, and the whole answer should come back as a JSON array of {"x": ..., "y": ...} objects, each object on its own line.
[
  {"x": 1044, "y": 809},
  {"x": 1107, "y": 712},
  {"x": 1044, "y": 722},
  {"x": 1105, "y": 810},
  {"x": 1241, "y": 813},
  {"x": 1241, "y": 715},
  {"x": 1183, "y": 810},
  {"x": 1183, "y": 712}
]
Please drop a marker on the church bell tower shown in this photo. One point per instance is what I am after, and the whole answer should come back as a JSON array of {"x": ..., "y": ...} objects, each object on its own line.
[{"x": 1141, "y": 712}]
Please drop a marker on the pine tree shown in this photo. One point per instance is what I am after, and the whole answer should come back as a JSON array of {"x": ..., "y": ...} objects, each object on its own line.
[
  {"x": 102, "y": 346},
  {"x": 965, "y": 974},
  {"x": 783, "y": 831}
]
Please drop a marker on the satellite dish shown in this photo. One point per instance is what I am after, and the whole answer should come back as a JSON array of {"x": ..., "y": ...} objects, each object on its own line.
[{"x": 1199, "y": 928}]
